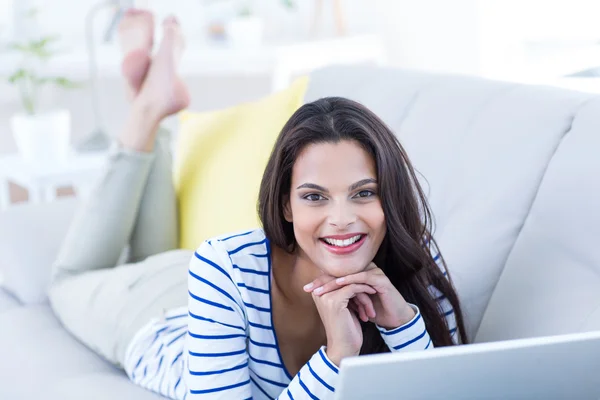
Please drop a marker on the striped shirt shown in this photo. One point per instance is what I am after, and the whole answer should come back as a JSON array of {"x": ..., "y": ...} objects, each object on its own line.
[{"x": 224, "y": 346}]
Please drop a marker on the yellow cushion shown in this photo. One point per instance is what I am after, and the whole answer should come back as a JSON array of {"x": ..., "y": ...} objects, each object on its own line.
[{"x": 220, "y": 159}]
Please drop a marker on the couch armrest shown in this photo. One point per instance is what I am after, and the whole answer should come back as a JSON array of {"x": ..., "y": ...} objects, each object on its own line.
[{"x": 30, "y": 237}]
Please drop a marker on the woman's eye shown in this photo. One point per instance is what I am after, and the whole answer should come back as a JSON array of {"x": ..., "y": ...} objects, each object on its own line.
[
  {"x": 313, "y": 197},
  {"x": 365, "y": 193}
]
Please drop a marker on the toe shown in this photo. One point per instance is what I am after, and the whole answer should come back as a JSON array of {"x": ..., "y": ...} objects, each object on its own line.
[
  {"x": 147, "y": 15},
  {"x": 171, "y": 20}
]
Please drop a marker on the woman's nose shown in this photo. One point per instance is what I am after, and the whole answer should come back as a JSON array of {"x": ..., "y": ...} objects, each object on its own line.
[{"x": 342, "y": 216}]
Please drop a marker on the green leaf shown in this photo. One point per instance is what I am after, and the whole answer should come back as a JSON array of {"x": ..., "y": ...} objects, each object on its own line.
[
  {"x": 45, "y": 41},
  {"x": 288, "y": 3},
  {"x": 28, "y": 105},
  {"x": 65, "y": 83},
  {"x": 16, "y": 47},
  {"x": 32, "y": 12},
  {"x": 245, "y": 11},
  {"x": 41, "y": 80},
  {"x": 19, "y": 75},
  {"x": 58, "y": 81},
  {"x": 39, "y": 48}
]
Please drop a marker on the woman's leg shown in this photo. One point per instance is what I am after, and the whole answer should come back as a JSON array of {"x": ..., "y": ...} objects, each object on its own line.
[
  {"x": 103, "y": 225},
  {"x": 104, "y": 306},
  {"x": 156, "y": 227}
]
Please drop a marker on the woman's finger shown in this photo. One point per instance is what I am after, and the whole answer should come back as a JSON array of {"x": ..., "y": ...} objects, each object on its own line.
[
  {"x": 319, "y": 282},
  {"x": 348, "y": 292},
  {"x": 366, "y": 302},
  {"x": 326, "y": 287},
  {"x": 358, "y": 309},
  {"x": 373, "y": 277}
]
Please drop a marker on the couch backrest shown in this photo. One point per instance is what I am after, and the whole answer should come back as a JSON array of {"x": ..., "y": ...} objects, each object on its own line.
[
  {"x": 551, "y": 281},
  {"x": 482, "y": 147}
]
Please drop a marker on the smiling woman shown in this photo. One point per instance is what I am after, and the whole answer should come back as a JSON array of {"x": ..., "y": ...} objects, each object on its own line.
[
  {"x": 344, "y": 265},
  {"x": 346, "y": 200}
]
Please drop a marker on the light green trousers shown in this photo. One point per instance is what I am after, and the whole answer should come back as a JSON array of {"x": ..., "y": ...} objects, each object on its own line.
[{"x": 133, "y": 206}]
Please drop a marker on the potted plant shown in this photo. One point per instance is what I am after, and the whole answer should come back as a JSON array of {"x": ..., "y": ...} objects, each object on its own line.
[
  {"x": 41, "y": 137},
  {"x": 246, "y": 28}
]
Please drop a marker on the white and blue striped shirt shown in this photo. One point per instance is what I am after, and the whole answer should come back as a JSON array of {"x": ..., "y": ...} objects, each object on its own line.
[{"x": 223, "y": 345}]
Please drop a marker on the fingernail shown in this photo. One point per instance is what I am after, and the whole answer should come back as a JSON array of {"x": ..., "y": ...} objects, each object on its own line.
[
  {"x": 318, "y": 290},
  {"x": 340, "y": 280},
  {"x": 308, "y": 286}
]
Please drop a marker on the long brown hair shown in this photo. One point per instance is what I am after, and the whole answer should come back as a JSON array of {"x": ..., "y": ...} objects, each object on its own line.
[{"x": 404, "y": 254}]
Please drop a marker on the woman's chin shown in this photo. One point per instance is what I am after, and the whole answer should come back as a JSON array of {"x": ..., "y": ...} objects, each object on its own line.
[{"x": 343, "y": 267}]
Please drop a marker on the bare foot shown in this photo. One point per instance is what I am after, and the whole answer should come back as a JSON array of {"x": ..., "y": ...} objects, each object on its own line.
[
  {"x": 163, "y": 87},
  {"x": 136, "y": 34}
]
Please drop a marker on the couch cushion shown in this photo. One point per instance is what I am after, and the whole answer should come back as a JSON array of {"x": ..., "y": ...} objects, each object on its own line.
[
  {"x": 482, "y": 148},
  {"x": 7, "y": 301},
  {"x": 41, "y": 360},
  {"x": 220, "y": 160},
  {"x": 551, "y": 282},
  {"x": 30, "y": 237},
  {"x": 99, "y": 386}
]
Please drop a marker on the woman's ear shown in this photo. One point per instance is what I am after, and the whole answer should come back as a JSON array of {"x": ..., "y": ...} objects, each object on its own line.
[{"x": 287, "y": 209}]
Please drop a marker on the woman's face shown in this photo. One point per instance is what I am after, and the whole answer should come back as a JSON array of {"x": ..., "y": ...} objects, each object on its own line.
[{"x": 335, "y": 207}]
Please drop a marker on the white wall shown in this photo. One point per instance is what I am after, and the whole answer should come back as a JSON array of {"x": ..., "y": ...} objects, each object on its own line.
[
  {"x": 67, "y": 17},
  {"x": 537, "y": 41},
  {"x": 435, "y": 35},
  {"x": 497, "y": 39}
]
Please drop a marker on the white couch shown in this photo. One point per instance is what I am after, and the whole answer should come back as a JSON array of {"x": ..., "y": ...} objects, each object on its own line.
[{"x": 512, "y": 174}]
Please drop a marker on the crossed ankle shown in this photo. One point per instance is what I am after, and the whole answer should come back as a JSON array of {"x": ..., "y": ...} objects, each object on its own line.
[{"x": 148, "y": 109}]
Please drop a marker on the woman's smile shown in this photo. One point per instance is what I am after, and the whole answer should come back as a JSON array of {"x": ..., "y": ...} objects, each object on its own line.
[{"x": 344, "y": 244}]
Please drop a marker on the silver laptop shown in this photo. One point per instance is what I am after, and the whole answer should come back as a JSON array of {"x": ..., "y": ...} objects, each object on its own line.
[{"x": 555, "y": 367}]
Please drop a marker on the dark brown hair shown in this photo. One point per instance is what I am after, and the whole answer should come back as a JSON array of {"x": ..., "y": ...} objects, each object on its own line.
[{"x": 404, "y": 254}]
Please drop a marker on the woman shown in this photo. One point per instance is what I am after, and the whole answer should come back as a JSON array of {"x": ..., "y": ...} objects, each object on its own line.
[{"x": 344, "y": 265}]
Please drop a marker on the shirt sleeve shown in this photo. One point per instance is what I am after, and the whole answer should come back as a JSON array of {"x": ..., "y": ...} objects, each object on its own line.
[
  {"x": 216, "y": 354},
  {"x": 447, "y": 311},
  {"x": 413, "y": 335},
  {"x": 443, "y": 303},
  {"x": 216, "y": 346},
  {"x": 315, "y": 380},
  {"x": 408, "y": 337}
]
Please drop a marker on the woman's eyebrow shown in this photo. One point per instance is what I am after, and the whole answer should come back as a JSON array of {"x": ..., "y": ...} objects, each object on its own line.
[
  {"x": 360, "y": 183},
  {"x": 312, "y": 186},
  {"x": 352, "y": 187}
]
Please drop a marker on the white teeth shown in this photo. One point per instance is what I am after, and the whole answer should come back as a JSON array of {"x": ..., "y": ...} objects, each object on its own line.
[{"x": 342, "y": 243}]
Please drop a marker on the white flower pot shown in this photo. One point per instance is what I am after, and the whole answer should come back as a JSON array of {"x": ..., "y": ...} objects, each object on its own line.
[
  {"x": 43, "y": 139},
  {"x": 245, "y": 31}
]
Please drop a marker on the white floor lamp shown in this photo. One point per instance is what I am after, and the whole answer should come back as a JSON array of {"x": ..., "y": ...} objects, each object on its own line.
[{"x": 99, "y": 140}]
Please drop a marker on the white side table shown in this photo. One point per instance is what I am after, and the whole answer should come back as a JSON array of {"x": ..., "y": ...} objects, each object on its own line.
[{"x": 41, "y": 181}]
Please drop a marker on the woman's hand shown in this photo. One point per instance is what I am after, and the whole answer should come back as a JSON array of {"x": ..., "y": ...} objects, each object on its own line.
[
  {"x": 386, "y": 307},
  {"x": 344, "y": 333}
]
